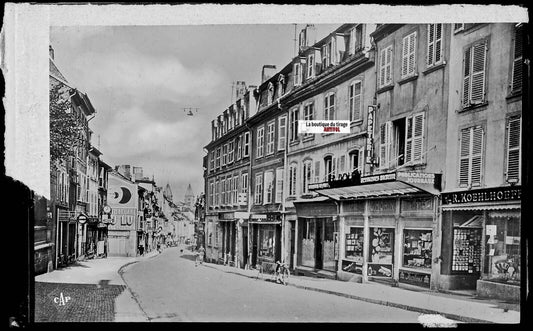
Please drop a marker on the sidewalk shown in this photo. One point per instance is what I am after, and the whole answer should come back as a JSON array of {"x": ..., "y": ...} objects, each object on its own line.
[
  {"x": 456, "y": 307},
  {"x": 96, "y": 290}
]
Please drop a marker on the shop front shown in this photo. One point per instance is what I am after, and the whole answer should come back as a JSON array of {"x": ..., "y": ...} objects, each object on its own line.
[
  {"x": 213, "y": 239},
  {"x": 229, "y": 235},
  {"x": 316, "y": 229},
  {"x": 264, "y": 233},
  {"x": 481, "y": 241},
  {"x": 66, "y": 237},
  {"x": 386, "y": 228}
]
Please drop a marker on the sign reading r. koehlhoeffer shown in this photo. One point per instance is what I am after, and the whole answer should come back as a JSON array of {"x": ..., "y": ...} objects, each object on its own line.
[{"x": 483, "y": 195}]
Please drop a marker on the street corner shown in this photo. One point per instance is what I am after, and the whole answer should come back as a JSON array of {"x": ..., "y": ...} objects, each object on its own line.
[{"x": 57, "y": 302}]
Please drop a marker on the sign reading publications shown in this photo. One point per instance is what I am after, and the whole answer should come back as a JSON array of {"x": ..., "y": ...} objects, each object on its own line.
[
  {"x": 317, "y": 126},
  {"x": 370, "y": 136}
]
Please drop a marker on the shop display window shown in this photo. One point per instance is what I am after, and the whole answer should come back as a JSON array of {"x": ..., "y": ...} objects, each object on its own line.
[
  {"x": 353, "y": 245},
  {"x": 381, "y": 245},
  {"x": 266, "y": 243},
  {"x": 466, "y": 257},
  {"x": 417, "y": 247},
  {"x": 502, "y": 248}
]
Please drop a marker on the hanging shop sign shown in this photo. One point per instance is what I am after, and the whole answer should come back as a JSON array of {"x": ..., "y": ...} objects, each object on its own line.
[
  {"x": 82, "y": 219},
  {"x": 226, "y": 216},
  {"x": 414, "y": 278},
  {"x": 498, "y": 194},
  {"x": 266, "y": 218},
  {"x": 370, "y": 136}
]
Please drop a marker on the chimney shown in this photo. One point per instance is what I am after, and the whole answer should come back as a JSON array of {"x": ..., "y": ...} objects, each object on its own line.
[
  {"x": 240, "y": 89},
  {"x": 268, "y": 71},
  {"x": 51, "y": 51}
]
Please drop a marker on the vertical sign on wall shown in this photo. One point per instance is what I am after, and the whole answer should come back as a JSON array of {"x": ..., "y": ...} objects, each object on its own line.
[{"x": 370, "y": 136}]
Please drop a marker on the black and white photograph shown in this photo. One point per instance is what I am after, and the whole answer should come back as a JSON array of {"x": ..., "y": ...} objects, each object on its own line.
[{"x": 266, "y": 163}]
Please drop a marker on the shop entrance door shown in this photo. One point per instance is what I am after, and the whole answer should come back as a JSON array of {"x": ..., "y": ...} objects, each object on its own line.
[
  {"x": 245, "y": 245},
  {"x": 318, "y": 245},
  {"x": 254, "y": 245},
  {"x": 291, "y": 253}
]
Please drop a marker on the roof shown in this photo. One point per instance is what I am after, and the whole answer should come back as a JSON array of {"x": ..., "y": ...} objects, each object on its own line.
[
  {"x": 54, "y": 72},
  {"x": 387, "y": 189}
]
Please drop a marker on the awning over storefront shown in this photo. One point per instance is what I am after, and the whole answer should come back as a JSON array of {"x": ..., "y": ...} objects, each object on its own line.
[
  {"x": 477, "y": 206},
  {"x": 317, "y": 207},
  {"x": 394, "y": 188}
]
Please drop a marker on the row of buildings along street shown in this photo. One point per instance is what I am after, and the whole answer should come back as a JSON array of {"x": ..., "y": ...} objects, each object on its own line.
[
  {"x": 424, "y": 190},
  {"x": 97, "y": 210}
]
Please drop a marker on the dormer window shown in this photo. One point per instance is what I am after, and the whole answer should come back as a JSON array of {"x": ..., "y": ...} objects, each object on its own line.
[
  {"x": 281, "y": 85},
  {"x": 311, "y": 65},
  {"x": 297, "y": 74},
  {"x": 270, "y": 90}
]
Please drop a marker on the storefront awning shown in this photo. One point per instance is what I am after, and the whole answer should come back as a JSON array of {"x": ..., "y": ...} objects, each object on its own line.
[
  {"x": 477, "y": 206},
  {"x": 394, "y": 188}
]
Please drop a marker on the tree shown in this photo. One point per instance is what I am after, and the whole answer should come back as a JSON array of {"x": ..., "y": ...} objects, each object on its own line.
[{"x": 66, "y": 130}]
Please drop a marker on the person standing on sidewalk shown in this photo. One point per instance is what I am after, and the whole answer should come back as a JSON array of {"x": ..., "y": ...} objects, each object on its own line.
[{"x": 200, "y": 256}]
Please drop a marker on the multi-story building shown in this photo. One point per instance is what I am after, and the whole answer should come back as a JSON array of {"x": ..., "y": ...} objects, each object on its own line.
[
  {"x": 334, "y": 80},
  {"x": 149, "y": 205},
  {"x": 226, "y": 180},
  {"x": 481, "y": 200},
  {"x": 268, "y": 131},
  {"x": 103, "y": 209},
  {"x": 91, "y": 227}
]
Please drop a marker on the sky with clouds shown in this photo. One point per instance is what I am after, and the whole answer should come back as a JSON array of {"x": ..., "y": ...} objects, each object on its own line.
[{"x": 139, "y": 79}]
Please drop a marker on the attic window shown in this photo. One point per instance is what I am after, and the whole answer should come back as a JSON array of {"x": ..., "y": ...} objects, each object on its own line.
[{"x": 270, "y": 93}]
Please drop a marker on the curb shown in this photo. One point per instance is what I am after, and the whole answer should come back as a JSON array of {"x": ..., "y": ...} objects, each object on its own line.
[
  {"x": 460, "y": 318},
  {"x": 120, "y": 272}
]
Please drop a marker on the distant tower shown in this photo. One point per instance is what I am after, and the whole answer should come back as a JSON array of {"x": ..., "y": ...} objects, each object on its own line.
[
  {"x": 189, "y": 196},
  {"x": 167, "y": 193}
]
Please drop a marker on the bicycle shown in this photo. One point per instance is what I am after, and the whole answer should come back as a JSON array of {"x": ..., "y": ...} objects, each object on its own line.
[{"x": 282, "y": 273}]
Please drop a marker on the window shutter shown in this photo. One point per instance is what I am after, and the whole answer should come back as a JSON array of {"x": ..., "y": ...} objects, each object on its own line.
[
  {"x": 513, "y": 149},
  {"x": 382, "y": 68},
  {"x": 383, "y": 145},
  {"x": 516, "y": 82},
  {"x": 438, "y": 43},
  {"x": 412, "y": 54},
  {"x": 388, "y": 74},
  {"x": 317, "y": 171},
  {"x": 477, "y": 155},
  {"x": 352, "y": 41},
  {"x": 360, "y": 161},
  {"x": 357, "y": 101},
  {"x": 408, "y": 139},
  {"x": 478, "y": 73},
  {"x": 466, "y": 77},
  {"x": 418, "y": 136},
  {"x": 333, "y": 166},
  {"x": 405, "y": 56},
  {"x": 464, "y": 157},
  {"x": 342, "y": 161},
  {"x": 431, "y": 44}
]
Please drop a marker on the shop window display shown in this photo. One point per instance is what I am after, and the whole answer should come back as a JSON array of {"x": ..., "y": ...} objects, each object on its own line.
[
  {"x": 353, "y": 245},
  {"x": 502, "y": 248},
  {"x": 417, "y": 248},
  {"x": 381, "y": 252},
  {"x": 466, "y": 257},
  {"x": 266, "y": 242}
]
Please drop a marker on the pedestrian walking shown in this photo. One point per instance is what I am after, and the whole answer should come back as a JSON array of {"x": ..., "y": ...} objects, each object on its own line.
[{"x": 199, "y": 256}]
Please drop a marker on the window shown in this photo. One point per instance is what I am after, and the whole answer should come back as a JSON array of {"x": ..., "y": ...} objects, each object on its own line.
[
  {"x": 458, "y": 27},
  {"x": 212, "y": 161},
  {"x": 306, "y": 175},
  {"x": 266, "y": 242},
  {"x": 294, "y": 124},
  {"x": 325, "y": 57},
  {"x": 474, "y": 66},
  {"x": 309, "y": 115},
  {"x": 260, "y": 142},
  {"x": 317, "y": 172},
  {"x": 258, "y": 194},
  {"x": 282, "y": 132},
  {"x": 329, "y": 107},
  {"x": 231, "y": 147},
  {"x": 224, "y": 154},
  {"x": 417, "y": 249},
  {"x": 217, "y": 193},
  {"x": 234, "y": 183},
  {"x": 270, "y": 138},
  {"x": 279, "y": 185},
  {"x": 385, "y": 134},
  {"x": 329, "y": 167},
  {"x": 269, "y": 187},
  {"x": 471, "y": 156},
  {"x": 270, "y": 95},
  {"x": 310, "y": 66},
  {"x": 385, "y": 66},
  {"x": 434, "y": 54},
  {"x": 516, "y": 79},
  {"x": 297, "y": 74},
  {"x": 408, "y": 55},
  {"x": 292, "y": 179},
  {"x": 244, "y": 183},
  {"x": 354, "y": 98},
  {"x": 414, "y": 143},
  {"x": 513, "y": 150},
  {"x": 239, "y": 148},
  {"x": 356, "y": 39},
  {"x": 211, "y": 193},
  {"x": 223, "y": 190},
  {"x": 246, "y": 144}
]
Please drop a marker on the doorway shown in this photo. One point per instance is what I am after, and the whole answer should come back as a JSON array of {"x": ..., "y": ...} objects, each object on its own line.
[
  {"x": 244, "y": 246},
  {"x": 318, "y": 245},
  {"x": 291, "y": 252}
]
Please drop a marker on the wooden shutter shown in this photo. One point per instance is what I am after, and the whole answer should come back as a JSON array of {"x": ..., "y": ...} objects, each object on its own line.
[
  {"x": 405, "y": 56},
  {"x": 317, "y": 171},
  {"x": 408, "y": 139},
  {"x": 388, "y": 74},
  {"x": 382, "y": 69},
  {"x": 479, "y": 52},
  {"x": 342, "y": 162},
  {"x": 464, "y": 157},
  {"x": 516, "y": 81},
  {"x": 386, "y": 143},
  {"x": 356, "y": 100},
  {"x": 513, "y": 149},
  {"x": 411, "y": 54},
  {"x": 431, "y": 44},
  {"x": 418, "y": 136},
  {"x": 438, "y": 43},
  {"x": 467, "y": 58},
  {"x": 477, "y": 155}
]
